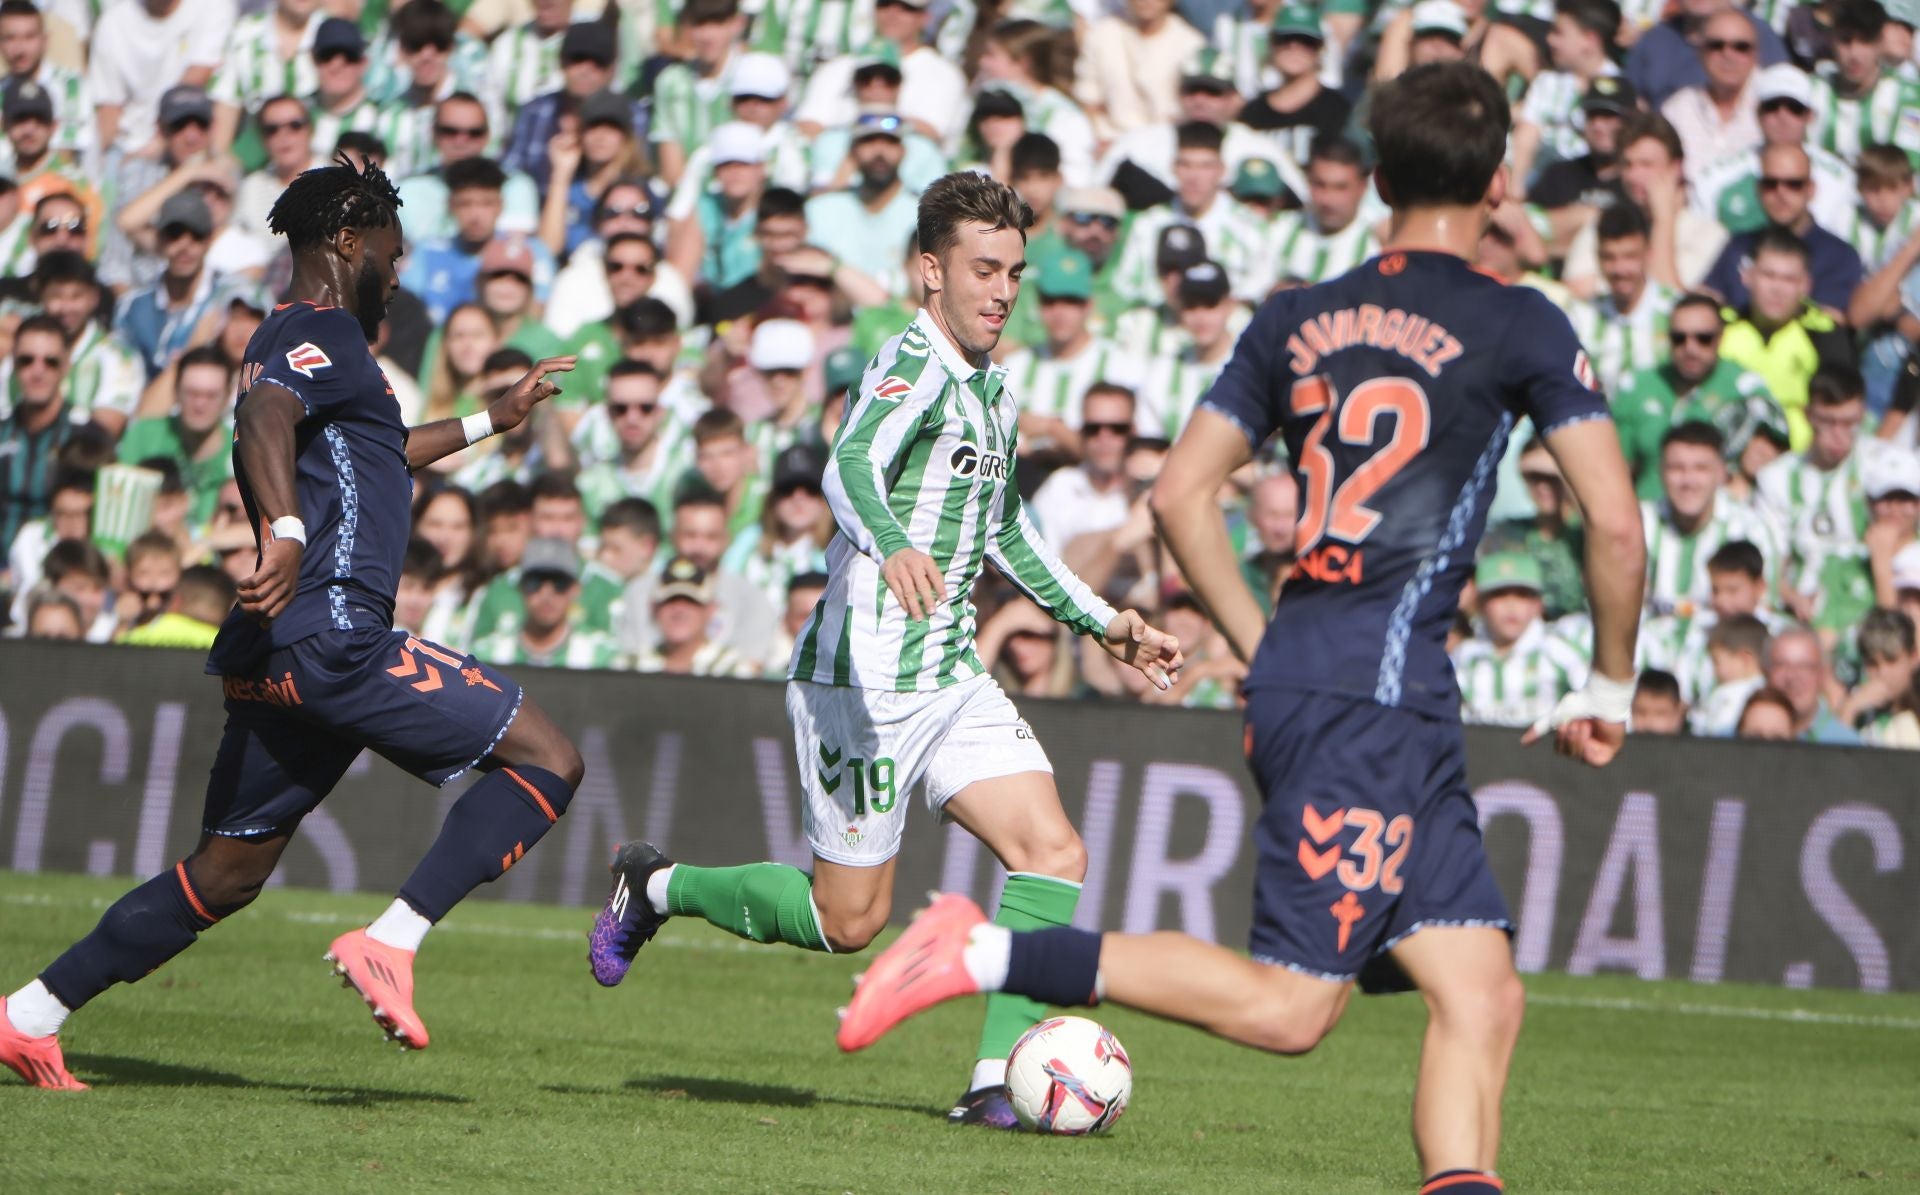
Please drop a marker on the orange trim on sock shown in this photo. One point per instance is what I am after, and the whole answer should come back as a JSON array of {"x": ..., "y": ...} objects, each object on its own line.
[
  {"x": 193, "y": 898},
  {"x": 535, "y": 794},
  {"x": 1454, "y": 1180}
]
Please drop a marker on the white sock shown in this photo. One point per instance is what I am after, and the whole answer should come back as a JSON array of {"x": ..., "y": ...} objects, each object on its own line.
[
  {"x": 988, "y": 1072},
  {"x": 988, "y": 949},
  {"x": 35, "y": 1011},
  {"x": 400, "y": 927},
  {"x": 657, "y": 889}
]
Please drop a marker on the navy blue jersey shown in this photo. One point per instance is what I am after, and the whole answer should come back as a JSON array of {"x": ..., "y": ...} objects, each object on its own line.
[
  {"x": 1395, "y": 387},
  {"x": 350, "y": 476}
]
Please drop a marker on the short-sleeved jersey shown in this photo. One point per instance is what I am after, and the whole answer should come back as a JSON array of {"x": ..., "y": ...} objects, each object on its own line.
[
  {"x": 1395, "y": 387},
  {"x": 350, "y": 478}
]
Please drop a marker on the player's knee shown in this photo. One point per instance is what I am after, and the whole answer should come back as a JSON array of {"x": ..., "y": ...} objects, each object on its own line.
[
  {"x": 1277, "y": 1031},
  {"x": 568, "y": 765},
  {"x": 1060, "y": 854},
  {"x": 848, "y": 929},
  {"x": 1491, "y": 1007},
  {"x": 227, "y": 884}
]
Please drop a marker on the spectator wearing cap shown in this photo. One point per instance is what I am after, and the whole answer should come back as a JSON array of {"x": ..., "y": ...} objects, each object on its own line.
[
  {"x": 23, "y": 45},
  {"x": 461, "y": 130},
  {"x": 877, "y": 85},
  {"x": 1154, "y": 331},
  {"x": 584, "y": 164},
  {"x": 692, "y": 98},
  {"x": 654, "y": 447},
  {"x": 1546, "y": 127},
  {"x": 1798, "y": 668},
  {"x": 683, "y": 605},
  {"x": 714, "y": 247},
  {"x": 1692, "y": 519},
  {"x": 1728, "y": 187},
  {"x": 759, "y": 85},
  {"x": 38, "y": 426},
  {"x": 1297, "y": 108},
  {"x": 1693, "y": 383},
  {"x": 794, "y": 528},
  {"x": 1626, "y": 327},
  {"x": 444, "y": 271},
  {"x": 1892, "y": 483},
  {"x": 1256, "y": 186},
  {"x": 1666, "y": 57},
  {"x": 779, "y": 390},
  {"x": 524, "y": 59},
  {"x": 1129, "y": 69},
  {"x": 1864, "y": 102},
  {"x": 932, "y": 91},
  {"x": 739, "y": 615},
  {"x": 1515, "y": 669},
  {"x": 1229, "y": 234},
  {"x": 1091, "y": 219},
  {"x": 1574, "y": 191},
  {"x": 1551, "y": 536},
  {"x": 1093, "y": 496},
  {"x": 586, "y": 69},
  {"x": 1052, "y": 379},
  {"x": 1719, "y": 117},
  {"x": 546, "y": 636},
  {"x": 38, "y": 168},
  {"x": 1328, "y": 237},
  {"x": 1024, "y": 59},
  {"x": 1177, "y": 378},
  {"x": 1684, "y": 242},
  {"x": 186, "y": 304},
  {"x": 197, "y": 435},
  {"x": 269, "y": 53},
  {"x": 129, "y": 257},
  {"x": 339, "y": 102},
  {"x": 1240, "y": 42},
  {"x": 868, "y": 223},
  {"x": 140, "y": 49}
]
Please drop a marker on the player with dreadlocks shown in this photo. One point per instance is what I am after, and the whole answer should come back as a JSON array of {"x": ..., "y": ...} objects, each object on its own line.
[{"x": 311, "y": 665}]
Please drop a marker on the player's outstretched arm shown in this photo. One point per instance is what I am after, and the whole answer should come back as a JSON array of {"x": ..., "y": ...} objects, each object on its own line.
[
  {"x": 443, "y": 437},
  {"x": 1591, "y": 724},
  {"x": 263, "y": 444},
  {"x": 1130, "y": 640},
  {"x": 1186, "y": 506}
]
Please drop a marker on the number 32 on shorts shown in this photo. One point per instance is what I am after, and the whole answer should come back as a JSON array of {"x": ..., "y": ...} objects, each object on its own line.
[
  {"x": 872, "y": 780},
  {"x": 1371, "y": 860}
]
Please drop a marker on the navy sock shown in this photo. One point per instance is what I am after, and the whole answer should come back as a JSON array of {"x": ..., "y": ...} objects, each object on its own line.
[
  {"x": 486, "y": 832},
  {"x": 1054, "y": 966},
  {"x": 1463, "y": 1182},
  {"x": 141, "y": 930}
]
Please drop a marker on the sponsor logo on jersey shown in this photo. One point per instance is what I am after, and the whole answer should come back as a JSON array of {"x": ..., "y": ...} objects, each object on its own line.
[
  {"x": 307, "y": 358},
  {"x": 968, "y": 461},
  {"x": 893, "y": 388},
  {"x": 1583, "y": 371}
]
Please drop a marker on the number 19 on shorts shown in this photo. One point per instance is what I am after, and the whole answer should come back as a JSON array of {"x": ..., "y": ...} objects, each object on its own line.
[{"x": 872, "y": 780}]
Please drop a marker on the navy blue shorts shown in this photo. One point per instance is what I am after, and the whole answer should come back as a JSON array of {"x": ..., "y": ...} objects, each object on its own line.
[
  {"x": 1368, "y": 833},
  {"x": 293, "y": 729}
]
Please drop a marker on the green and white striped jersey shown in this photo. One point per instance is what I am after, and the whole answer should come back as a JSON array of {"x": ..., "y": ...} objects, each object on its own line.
[
  {"x": 253, "y": 71},
  {"x": 1618, "y": 343},
  {"x": 606, "y": 482},
  {"x": 363, "y": 117},
  {"x": 106, "y": 374},
  {"x": 805, "y": 33},
  {"x": 407, "y": 132},
  {"x": 715, "y": 659},
  {"x": 1728, "y": 189},
  {"x": 1820, "y": 513},
  {"x": 1176, "y": 382},
  {"x": 1677, "y": 643},
  {"x": 771, "y": 571},
  {"x": 1874, "y": 244},
  {"x": 595, "y": 442},
  {"x": 687, "y": 106},
  {"x": 1056, "y": 386},
  {"x": 522, "y": 64},
  {"x": 1150, "y": 331},
  {"x": 1234, "y": 238},
  {"x": 924, "y": 459},
  {"x": 580, "y": 649},
  {"x": 1889, "y": 114},
  {"x": 1296, "y": 248},
  {"x": 1553, "y": 104},
  {"x": 1677, "y": 579},
  {"x": 73, "y": 126},
  {"x": 1520, "y": 686}
]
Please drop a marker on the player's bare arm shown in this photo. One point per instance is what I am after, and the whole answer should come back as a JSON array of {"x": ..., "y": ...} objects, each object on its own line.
[
  {"x": 1616, "y": 566},
  {"x": 263, "y": 445},
  {"x": 444, "y": 437},
  {"x": 1186, "y": 507}
]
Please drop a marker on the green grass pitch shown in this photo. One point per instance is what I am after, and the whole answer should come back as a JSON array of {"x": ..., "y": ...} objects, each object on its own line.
[{"x": 243, "y": 1066}]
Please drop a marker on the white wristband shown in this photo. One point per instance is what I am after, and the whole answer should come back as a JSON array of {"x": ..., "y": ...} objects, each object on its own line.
[
  {"x": 288, "y": 527},
  {"x": 1612, "y": 699},
  {"x": 478, "y": 427}
]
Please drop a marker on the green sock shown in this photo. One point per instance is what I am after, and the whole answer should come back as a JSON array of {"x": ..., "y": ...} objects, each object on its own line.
[
  {"x": 1027, "y": 902},
  {"x": 764, "y": 902}
]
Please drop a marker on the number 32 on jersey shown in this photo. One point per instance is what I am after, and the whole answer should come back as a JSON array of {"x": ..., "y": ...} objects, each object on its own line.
[{"x": 1335, "y": 519}]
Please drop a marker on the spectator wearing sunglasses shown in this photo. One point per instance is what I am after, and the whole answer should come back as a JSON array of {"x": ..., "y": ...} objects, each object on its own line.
[
  {"x": 877, "y": 83},
  {"x": 420, "y": 59},
  {"x": 39, "y": 425},
  {"x": 1720, "y": 116},
  {"x": 545, "y": 636},
  {"x": 58, "y": 222},
  {"x": 866, "y": 224},
  {"x": 1090, "y": 223},
  {"x": 1864, "y": 102},
  {"x": 130, "y": 257},
  {"x": 339, "y": 102},
  {"x": 1786, "y": 196},
  {"x": 1665, "y": 59},
  {"x": 180, "y": 309},
  {"x": 461, "y": 131},
  {"x": 583, "y": 292},
  {"x": 1729, "y": 189},
  {"x": 269, "y": 53},
  {"x": 143, "y": 48},
  {"x": 286, "y": 132},
  {"x": 655, "y": 447},
  {"x": 23, "y": 45},
  {"x": 1094, "y": 495}
]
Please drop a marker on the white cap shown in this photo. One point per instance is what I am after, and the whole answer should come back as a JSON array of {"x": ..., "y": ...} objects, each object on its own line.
[
  {"x": 1784, "y": 81},
  {"x": 781, "y": 344},
  {"x": 1894, "y": 471},
  {"x": 761, "y": 75},
  {"x": 1439, "y": 16},
  {"x": 1906, "y": 567},
  {"x": 737, "y": 141}
]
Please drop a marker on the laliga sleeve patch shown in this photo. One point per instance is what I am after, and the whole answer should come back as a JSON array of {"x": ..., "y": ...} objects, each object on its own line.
[
  {"x": 893, "y": 389},
  {"x": 307, "y": 358},
  {"x": 1583, "y": 371}
]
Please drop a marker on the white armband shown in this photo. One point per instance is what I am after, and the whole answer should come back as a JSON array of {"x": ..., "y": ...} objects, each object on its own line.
[
  {"x": 478, "y": 427},
  {"x": 288, "y": 527},
  {"x": 1612, "y": 699}
]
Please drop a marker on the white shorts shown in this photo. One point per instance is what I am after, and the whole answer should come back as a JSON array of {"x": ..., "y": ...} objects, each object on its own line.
[{"x": 862, "y": 750}]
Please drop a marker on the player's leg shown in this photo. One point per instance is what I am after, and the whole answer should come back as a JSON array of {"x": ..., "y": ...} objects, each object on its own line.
[{"x": 1475, "y": 1004}]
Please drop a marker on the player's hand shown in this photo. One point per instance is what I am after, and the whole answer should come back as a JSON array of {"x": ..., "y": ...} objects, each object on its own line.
[
  {"x": 1579, "y": 732},
  {"x": 1156, "y": 654},
  {"x": 266, "y": 593},
  {"x": 512, "y": 408},
  {"x": 915, "y": 581}
]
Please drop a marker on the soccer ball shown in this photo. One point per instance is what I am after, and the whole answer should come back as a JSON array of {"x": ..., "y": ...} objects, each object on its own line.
[{"x": 1069, "y": 1076}]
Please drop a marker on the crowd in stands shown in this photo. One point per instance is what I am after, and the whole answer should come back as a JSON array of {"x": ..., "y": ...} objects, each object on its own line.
[{"x": 712, "y": 204}]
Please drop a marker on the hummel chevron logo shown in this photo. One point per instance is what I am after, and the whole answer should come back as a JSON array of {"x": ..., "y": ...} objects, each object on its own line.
[
  {"x": 829, "y": 756},
  {"x": 830, "y": 783}
]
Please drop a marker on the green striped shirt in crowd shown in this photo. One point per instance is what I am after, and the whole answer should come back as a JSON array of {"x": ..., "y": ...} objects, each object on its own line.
[
  {"x": 498, "y": 609},
  {"x": 688, "y": 106},
  {"x": 771, "y": 571},
  {"x": 1874, "y": 244},
  {"x": 363, "y": 117},
  {"x": 1150, "y": 331},
  {"x": 594, "y": 440},
  {"x": 1553, "y": 105},
  {"x": 1677, "y": 581},
  {"x": 1176, "y": 382},
  {"x": 580, "y": 649},
  {"x": 925, "y": 460},
  {"x": 522, "y": 64},
  {"x": 16, "y": 253},
  {"x": 714, "y": 659},
  {"x": 805, "y": 33},
  {"x": 1618, "y": 343},
  {"x": 1889, "y": 114},
  {"x": 388, "y": 77},
  {"x": 73, "y": 123},
  {"x": 106, "y": 375},
  {"x": 1056, "y": 386},
  {"x": 1521, "y": 685},
  {"x": 407, "y": 132},
  {"x": 1234, "y": 239},
  {"x": 1296, "y": 248},
  {"x": 253, "y": 71},
  {"x": 1729, "y": 191},
  {"x": 1820, "y": 513},
  {"x": 603, "y": 597},
  {"x": 606, "y": 481}
]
